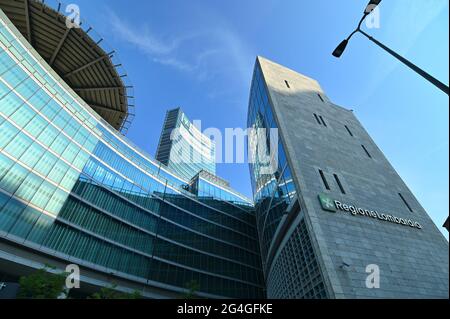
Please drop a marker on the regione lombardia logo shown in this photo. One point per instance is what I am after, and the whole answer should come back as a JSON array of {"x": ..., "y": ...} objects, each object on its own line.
[{"x": 327, "y": 203}]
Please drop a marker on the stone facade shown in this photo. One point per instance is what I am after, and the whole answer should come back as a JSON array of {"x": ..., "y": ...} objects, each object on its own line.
[{"x": 321, "y": 136}]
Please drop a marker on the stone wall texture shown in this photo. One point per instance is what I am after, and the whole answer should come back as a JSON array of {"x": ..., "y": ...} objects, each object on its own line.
[{"x": 413, "y": 263}]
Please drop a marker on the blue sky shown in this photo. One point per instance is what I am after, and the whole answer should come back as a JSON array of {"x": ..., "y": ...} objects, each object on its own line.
[{"x": 200, "y": 54}]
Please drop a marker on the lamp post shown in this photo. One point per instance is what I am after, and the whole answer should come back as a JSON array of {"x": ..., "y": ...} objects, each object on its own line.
[{"x": 370, "y": 7}]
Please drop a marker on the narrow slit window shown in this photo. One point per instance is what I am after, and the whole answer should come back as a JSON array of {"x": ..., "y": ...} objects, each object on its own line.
[
  {"x": 365, "y": 150},
  {"x": 324, "y": 180},
  {"x": 348, "y": 130},
  {"x": 338, "y": 181},
  {"x": 323, "y": 121},
  {"x": 287, "y": 84},
  {"x": 406, "y": 203},
  {"x": 317, "y": 119},
  {"x": 320, "y": 97}
]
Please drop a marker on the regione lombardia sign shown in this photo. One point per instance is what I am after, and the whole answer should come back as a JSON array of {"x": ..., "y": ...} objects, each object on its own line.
[{"x": 331, "y": 205}]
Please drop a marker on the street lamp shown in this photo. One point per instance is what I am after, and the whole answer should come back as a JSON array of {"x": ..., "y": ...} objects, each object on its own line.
[{"x": 370, "y": 7}]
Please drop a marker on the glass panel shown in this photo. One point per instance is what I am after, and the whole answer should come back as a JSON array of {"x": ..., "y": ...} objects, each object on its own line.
[
  {"x": 10, "y": 103},
  {"x": 18, "y": 145},
  {"x": 7, "y": 133},
  {"x": 25, "y": 222},
  {"x": 9, "y": 214},
  {"x": 29, "y": 186}
]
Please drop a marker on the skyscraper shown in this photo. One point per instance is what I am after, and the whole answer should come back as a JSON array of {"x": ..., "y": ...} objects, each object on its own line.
[
  {"x": 183, "y": 147},
  {"x": 74, "y": 190},
  {"x": 328, "y": 222},
  {"x": 335, "y": 217}
]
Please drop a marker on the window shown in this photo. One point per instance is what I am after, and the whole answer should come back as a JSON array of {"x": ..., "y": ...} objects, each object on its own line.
[
  {"x": 320, "y": 120},
  {"x": 317, "y": 119},
  {"x": 365, "y": 150},
  {"x": 406, "y": 203},
  {"x": 324, "y": 180},
  {"x": 348, "y": 130},
  {"x": 339, "y": 183},
  {"x": 320, "y": 97},
  {"x": 287, "y": 84}
]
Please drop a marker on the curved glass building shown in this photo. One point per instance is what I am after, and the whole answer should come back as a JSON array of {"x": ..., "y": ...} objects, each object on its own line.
[{"x": 73, "y": 190}]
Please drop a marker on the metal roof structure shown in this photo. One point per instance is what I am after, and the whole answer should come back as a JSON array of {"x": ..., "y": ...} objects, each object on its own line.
[{"x": 79, "y": 57}]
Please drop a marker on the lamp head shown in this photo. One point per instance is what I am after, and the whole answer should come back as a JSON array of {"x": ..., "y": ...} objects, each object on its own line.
[
  {"x": 340, "y": 49},
  {"x": 371, "y": 6}
]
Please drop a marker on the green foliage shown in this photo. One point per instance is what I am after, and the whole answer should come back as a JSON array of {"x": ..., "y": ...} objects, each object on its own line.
[
  {"x": 112, "y": 293},
  {"x": 42, "y": 284},
  {"x": 192, "y": 286}
]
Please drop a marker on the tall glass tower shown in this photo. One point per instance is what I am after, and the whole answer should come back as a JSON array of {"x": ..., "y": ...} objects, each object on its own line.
[
  {"x": 184, "y": 148},
  {"x": 335, "y": 220},
  {"x": 74, "y": 190}
]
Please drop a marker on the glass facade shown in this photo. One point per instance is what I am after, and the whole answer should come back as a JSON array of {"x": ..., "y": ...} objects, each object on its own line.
[
  {"x": 206, "y": 188},
  {"x": 184, "y": 148},
  {"x": 73, "y": 187},
  {"x": 294, "y": 272},
  {"x": 272, "y": 192}
]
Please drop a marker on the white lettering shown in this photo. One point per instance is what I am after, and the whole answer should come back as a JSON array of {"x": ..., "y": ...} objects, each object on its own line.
[
  {"x": 370, "y": 213},
  {"x": 373, "y": 279},
  {"x": 73, "y": 18},
  {"x": 73, "y": 279},
  {"x": 205, "y": 310}
]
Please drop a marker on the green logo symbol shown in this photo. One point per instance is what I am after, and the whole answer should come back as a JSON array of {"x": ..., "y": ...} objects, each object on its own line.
[{"x": 327, "y": 203}]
